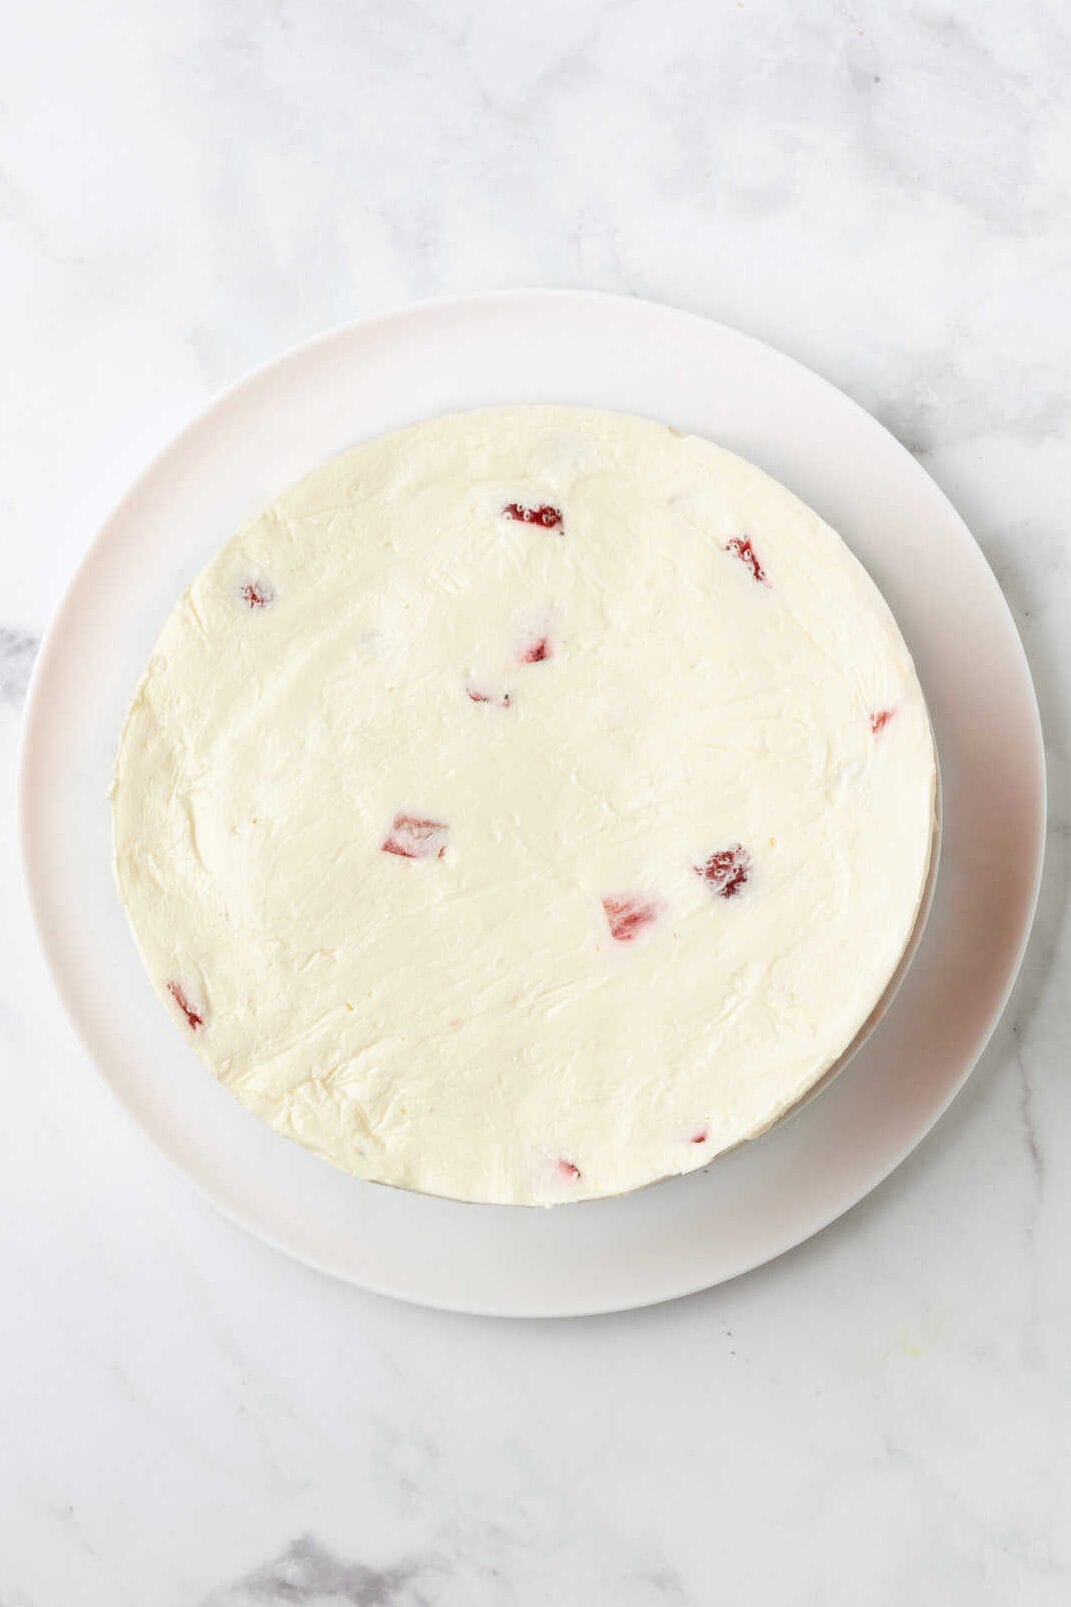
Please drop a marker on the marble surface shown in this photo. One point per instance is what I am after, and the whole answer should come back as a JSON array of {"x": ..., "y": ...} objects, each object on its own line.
[{"x": 882, "y": 1416}]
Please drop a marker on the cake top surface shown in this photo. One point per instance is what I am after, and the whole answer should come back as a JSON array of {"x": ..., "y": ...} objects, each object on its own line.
[{"x": 526, "y": 806}]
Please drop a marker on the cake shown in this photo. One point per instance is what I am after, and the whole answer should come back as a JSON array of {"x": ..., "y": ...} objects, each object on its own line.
[{"x": 528, "y": 805}]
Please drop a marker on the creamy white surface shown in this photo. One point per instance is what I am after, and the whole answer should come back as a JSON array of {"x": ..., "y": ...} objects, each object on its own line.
[{"x": 466, "y": 1024}]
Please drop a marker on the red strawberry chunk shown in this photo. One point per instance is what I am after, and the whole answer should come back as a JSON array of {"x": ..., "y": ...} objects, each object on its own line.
[
  {"x": 546, "y": 516},
  {"x": 701, "y": 1136},
  {"x": 740, "y": 547},
  {"x": 727, "y": 870},
  {"x": 501, "y": 700},
  {"x": 257, "y": 594},
  {"x": 568, "y": 1172},
  {"x": 880, "y": 719},
  {"x": 412, "y": 837},
  {"x": 535, "y": 651},
  {"x": 627, "y": 916},
  {"x": 177, "y": 992}
]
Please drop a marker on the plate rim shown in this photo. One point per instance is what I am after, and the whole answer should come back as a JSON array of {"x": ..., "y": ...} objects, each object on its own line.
[{"x": 32, "y": 714}]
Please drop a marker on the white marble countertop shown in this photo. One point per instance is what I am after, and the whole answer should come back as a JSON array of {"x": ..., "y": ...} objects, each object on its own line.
[{"x": 881, "y": 1417}]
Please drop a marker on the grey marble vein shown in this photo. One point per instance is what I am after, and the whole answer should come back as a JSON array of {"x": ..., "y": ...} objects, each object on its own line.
[
  {"x": 18, "y": 649},
  {"x": 308, "y": 1573}
]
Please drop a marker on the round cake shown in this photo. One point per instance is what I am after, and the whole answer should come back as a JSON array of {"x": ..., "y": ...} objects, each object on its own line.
[{"x": 529, "y": 805}]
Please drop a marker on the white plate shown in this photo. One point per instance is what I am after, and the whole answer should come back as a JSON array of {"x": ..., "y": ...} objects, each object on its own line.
[{"x": 544, "y": 346}]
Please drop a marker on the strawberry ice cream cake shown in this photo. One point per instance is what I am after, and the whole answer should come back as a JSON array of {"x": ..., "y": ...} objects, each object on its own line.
[{"x": 529, "y": 805}]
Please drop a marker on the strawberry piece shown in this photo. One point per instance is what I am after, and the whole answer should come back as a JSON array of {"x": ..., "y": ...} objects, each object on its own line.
[
  {"x": 178, "y": 994},
  {"x": 565, "y": 1169},
  {"x": 726, "y": 871},
  {"x": 627, "y": 916},
  {"x": 503, "y": 700},
  {"x": 546, "y": 516},
  {"x": 411, "y": 837},
  {"x": 257, "y": 594},
  {"x": 536, "y": 651},
  {"x": 740, "y": 547},
  {"x": 880, "y": 719},
  {"x": 701, "y": 1136}
]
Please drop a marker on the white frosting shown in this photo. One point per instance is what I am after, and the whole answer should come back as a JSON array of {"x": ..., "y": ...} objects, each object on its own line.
[{"x": 463, "y": 1021}]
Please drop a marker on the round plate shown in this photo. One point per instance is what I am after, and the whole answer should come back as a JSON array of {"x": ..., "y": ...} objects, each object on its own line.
[{"x": 602, "y": 351}]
